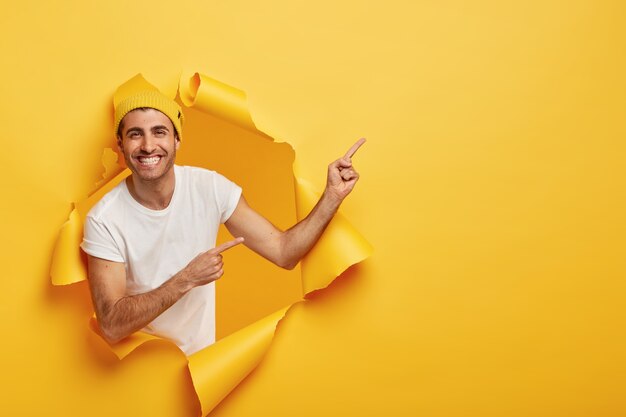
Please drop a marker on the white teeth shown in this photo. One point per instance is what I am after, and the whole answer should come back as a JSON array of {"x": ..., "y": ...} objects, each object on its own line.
[{"x": 149, "y": 161}]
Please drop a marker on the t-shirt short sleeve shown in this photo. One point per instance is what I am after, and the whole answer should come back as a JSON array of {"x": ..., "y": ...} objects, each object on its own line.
[
  {"x": 98, "y": 242},
  {"x": 227, "y": 195}
]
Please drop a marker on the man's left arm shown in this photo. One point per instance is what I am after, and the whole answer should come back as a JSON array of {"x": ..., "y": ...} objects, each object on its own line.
[{"x": 286, "y": 248}]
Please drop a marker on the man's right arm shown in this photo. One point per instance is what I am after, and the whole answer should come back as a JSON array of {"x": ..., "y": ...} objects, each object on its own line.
[{"x": 119, "y": 315}]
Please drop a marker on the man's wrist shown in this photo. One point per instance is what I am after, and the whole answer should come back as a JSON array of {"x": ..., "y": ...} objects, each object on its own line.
[
  {"x": 180, "y": 283},
  {"x": 331, "y": 201}
]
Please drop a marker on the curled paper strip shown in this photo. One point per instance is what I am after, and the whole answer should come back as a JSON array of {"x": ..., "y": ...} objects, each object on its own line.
[
  {"x": 219, "y": 368},
  {"x": 340, "y": 246},
  {"x": 68, "y": 265},
  {"x": 218, "y": 99}
]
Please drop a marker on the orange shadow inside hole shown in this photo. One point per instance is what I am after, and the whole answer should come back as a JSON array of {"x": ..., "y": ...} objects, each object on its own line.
[{"x": 251, "y": 287}]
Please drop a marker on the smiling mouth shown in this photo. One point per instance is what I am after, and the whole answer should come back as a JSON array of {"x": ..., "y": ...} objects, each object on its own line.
[{"x": 148, "y": 161}]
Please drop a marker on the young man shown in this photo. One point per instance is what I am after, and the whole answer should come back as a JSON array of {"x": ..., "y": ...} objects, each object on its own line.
[{"x": 150, "y": 241}]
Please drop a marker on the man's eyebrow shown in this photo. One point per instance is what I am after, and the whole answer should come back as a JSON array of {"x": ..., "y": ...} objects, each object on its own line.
[{"x": 134, "y": 129}]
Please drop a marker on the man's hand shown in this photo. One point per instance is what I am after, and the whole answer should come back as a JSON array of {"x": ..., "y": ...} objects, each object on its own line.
[
  {"x": 341, "y": 174},
  {"x": 206, "y": 267}
]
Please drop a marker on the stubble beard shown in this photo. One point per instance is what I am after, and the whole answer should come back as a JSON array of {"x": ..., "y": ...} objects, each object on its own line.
[{"x": 166, "y": 165}]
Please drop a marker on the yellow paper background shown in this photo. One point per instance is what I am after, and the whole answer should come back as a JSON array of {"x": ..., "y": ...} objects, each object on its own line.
[{"x": 492, "y": 188}]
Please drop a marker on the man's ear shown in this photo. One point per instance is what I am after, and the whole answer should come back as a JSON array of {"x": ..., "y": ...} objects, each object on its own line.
[
  {"x": 119, "y": 143},
  {"x": 177, "y": 142}
]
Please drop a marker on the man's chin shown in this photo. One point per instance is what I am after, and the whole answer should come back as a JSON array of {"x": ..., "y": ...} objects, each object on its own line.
[
  {"x": 145, "y": 175},
  {"x": 147, "y": 178},
  {"x": 153, "y": 174}
]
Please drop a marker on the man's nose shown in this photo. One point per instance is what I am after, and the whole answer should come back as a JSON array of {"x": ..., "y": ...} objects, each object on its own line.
[{"x": 148, "y": 145}]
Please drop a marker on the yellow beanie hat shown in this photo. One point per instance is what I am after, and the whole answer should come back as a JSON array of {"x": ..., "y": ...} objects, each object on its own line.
[{"x": 153, "y": 99}]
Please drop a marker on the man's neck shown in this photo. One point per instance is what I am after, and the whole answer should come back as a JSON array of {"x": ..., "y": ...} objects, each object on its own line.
[{"x": 155, "y": 195}]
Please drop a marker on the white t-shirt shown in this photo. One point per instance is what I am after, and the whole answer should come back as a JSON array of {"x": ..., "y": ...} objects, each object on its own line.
[{"x": 156, "y": 244}]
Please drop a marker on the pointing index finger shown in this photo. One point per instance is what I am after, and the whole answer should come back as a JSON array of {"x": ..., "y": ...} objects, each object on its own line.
[
  {"x": 354, "y": 148},
  {"x": 225, "y": 246}
]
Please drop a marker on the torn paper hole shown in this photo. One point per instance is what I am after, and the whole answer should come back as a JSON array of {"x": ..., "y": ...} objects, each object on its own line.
[{"x": 220, "y": 135}]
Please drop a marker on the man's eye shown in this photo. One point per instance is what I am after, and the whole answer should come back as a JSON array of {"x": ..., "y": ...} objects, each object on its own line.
[
  {"x": 133, "y": 135},
  {"x": 160, "y": 132}
]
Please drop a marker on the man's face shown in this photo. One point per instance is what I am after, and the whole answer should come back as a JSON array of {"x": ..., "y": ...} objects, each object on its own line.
[{"x": 149, "y": 143}]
